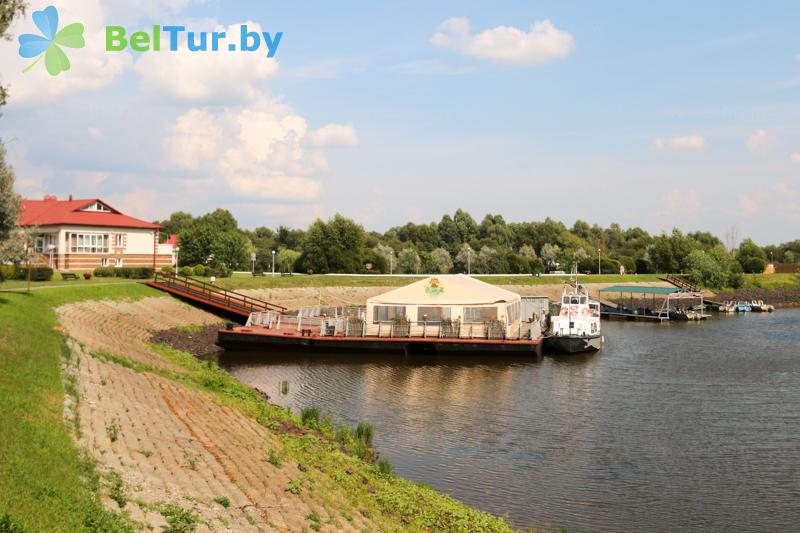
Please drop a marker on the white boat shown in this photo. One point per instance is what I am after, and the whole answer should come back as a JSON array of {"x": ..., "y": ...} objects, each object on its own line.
[{"x": 576, "y": 328}]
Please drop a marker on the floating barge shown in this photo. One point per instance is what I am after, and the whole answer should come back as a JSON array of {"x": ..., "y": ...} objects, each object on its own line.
[{"x": 445, "y": 314}]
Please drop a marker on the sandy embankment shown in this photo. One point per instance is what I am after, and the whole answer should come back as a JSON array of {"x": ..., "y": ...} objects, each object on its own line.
[{"x": 174, "y": 443}]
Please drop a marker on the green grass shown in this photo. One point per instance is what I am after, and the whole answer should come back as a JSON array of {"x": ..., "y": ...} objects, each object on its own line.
[
  {"x": 58, "y": 282},
  {"x": 43, "y": 477},
  {"x": 771, "y": 281}
]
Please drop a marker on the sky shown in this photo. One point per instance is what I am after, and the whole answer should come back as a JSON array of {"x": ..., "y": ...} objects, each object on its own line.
[{"x": 676, "y": 114}]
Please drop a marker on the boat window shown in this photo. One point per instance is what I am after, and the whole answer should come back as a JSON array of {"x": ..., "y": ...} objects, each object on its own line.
[
  {"x": 432, "y": 314},
  {"x": 479, "y": 314},
  {"x": 565, "y": 300},
  {"x": 583, "y": 299},
  {"x": 383, "y": 313},
  {"x": 574, "y": 300}
]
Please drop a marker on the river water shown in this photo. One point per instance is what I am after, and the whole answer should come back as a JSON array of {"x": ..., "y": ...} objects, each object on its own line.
[{"x": 686, "y": 426}]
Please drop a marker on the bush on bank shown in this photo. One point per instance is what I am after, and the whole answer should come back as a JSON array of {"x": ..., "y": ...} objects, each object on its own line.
[{"x": 126, "y": 272}]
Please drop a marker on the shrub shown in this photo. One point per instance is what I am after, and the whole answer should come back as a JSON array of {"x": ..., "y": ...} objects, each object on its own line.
[
  {"x": 384, "y": 468},
  {"x": 104, "y": 272},
  {"x": 199, "y": 270},
  {"x": 754, "y": 265},
  {"x": 178, "y": 520},
  {"x": 364, "y": 433},
  {"x": 167, "y": 270},
  {"x": 186, "y": 271},
  {"x": 8, "y": 272},
  {"x": 310, "y": 416},
  {"x": 223, "y": 501},
  {"x": 143, "y": 272},
  {"x": 37, "y": 273}
]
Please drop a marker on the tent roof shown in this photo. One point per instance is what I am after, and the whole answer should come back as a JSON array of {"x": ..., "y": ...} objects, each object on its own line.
[
  {"x": 456, "y": 289},
  {"x": 636, "y": 289}
]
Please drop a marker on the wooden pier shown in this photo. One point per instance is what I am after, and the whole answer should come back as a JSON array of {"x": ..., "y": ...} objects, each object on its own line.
[{"x": 215, "y": 298}]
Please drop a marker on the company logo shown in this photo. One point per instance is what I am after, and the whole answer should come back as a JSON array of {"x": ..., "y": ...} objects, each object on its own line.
[
  {"x": 434, "y": 288},
  {"x": 118, "y": 40},
  {"x": 50, "y": 41}
]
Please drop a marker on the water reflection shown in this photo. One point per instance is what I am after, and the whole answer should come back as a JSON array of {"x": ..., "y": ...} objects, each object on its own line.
[{"x": 674, "y": 427}]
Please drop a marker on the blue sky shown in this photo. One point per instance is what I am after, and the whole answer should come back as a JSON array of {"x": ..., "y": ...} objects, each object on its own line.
[{"x": 646, "y": 115}]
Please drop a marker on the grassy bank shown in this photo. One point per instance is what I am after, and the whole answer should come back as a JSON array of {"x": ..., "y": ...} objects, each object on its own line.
[{"x": 47, "y": 484}]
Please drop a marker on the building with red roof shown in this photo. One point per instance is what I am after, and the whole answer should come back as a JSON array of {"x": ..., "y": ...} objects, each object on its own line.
[{"x": 85, "y": 234}]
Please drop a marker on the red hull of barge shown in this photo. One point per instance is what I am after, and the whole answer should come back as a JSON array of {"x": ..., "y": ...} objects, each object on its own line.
[{"x": 263, "y": 339}]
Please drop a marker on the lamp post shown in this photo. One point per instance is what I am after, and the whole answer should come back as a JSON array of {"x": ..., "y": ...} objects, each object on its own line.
[
  {"x": 253, "y": 261},
  {"x": 469, "y": 262},
  {"x": 177, "y": 257},
  {"x": 598, "y": 262},
  {"x": 51, "y": 248},
  {"x": 391, "y": 261},
  {"x": 273, "y": 262}
]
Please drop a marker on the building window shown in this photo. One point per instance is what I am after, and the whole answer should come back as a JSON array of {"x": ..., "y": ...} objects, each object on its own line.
[
  {"x": 89, "y": 243},
  {"x": 480, "y": 314},
  {"x": 118, "y": 240},
  {"x": 118, "y": 262},
  {"x": 432, "y": 314},
  {"x": 104, "y": 262},
  {"x": 384, "y": 313},
  {"x": 97, "y": 206},
  {"x": 512, "y": 312}
]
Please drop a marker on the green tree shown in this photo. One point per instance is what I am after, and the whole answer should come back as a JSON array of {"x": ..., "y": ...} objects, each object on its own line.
[
  {"x": 231, "y": 250},
  {"x": 549, "y": 254},
  {"x": 9, "y": 10},
  {"x": 442, "y": 262},
  {"x": 751, "y": 256},
  {"x": 176, "y": 223},
  {"x": 408, "y": 261},
  {"x": 335, "y": 246},
  {"x": 9, "y": 200},
  {"x": 704, "y": 269},
  {"x": 285, "y": 259},
  {"x": 465, "y": 258},
  {"x": 490, "y": 261}
]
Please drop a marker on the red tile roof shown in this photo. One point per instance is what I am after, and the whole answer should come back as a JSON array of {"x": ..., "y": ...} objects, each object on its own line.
[
  {"x": 51, "y": 212},
  {"x": 172, "y": 239}
]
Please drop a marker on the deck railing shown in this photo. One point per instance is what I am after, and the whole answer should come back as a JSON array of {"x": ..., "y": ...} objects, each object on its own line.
[
  {"x": 354, "y": 326},
  {"x": 214, "y": 294}
]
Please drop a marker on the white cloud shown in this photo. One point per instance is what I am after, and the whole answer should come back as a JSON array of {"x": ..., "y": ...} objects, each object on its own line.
[
  {"x": 205, "y": 78},
  {"x": 749, "y": 205},
  {"x": 795, "y": 158},
  {"x": 681, "y": 202},
  {"x": 761, "y": 142},
  {"x": 263, "y": 150},
  {"x": 335, "y": 135},
  {"x": 686, "y": 143},
  {"x": 91, "y": 67},
  {"x": 506, "y": 44}
]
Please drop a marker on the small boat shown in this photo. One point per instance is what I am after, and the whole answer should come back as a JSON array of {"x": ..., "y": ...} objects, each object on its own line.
[
  {"x": 576, "y": 328},
  {"x": 727, "y": 307},
  {"x": 743, "y": 307},
  {"x": 759, "y": 306}
]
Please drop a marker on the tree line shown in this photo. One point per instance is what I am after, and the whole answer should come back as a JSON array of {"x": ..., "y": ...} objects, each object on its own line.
[{"x": 458, "y": 243}]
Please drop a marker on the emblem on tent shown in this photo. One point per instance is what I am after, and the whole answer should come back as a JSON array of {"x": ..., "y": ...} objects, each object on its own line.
[{"x": 434, "y": 288}]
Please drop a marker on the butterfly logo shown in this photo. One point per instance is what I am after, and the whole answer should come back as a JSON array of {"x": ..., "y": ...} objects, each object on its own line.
[{"x": 50, "y": 41}]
